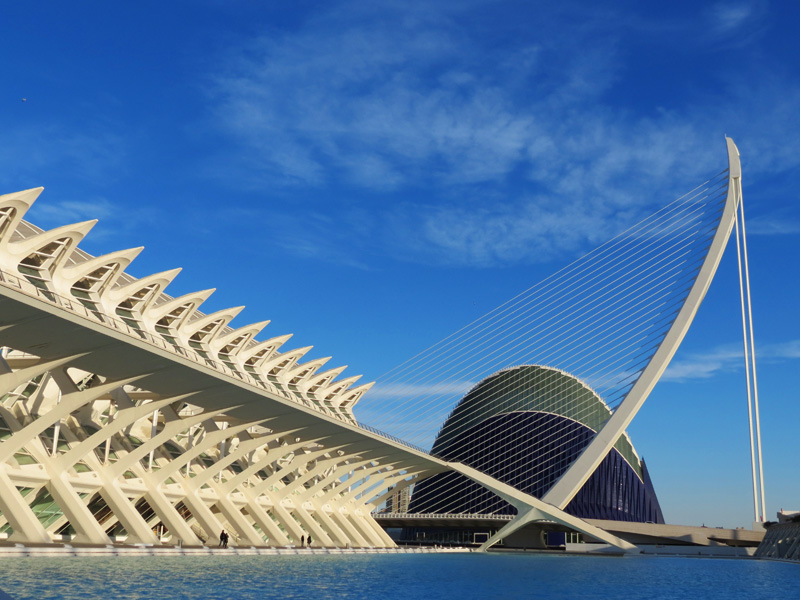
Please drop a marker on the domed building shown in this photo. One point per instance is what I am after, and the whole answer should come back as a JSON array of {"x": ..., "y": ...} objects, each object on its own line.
[{"x": 525, "y": 426}]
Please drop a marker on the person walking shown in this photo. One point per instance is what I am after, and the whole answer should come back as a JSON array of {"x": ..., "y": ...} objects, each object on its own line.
[
  {"x": 225, "y": 539},
  {"x": 222, "y": 535},
  {"x": 302, "y": 541}
]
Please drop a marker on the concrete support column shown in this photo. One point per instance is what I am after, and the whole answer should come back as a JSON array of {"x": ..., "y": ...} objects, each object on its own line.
[
  {"x": 10, "y": 380},
  {"x": 328, "y": 524},
  {"x": 365, "y": 485},
  {"x": 259, "y": 515},
  {"x": 351, "y": 531},
  {"x": 209, "y": 441},
  {"x": 238, "y": 522},
  {"x": 26, "y": 527},
  {"x": 126, "y": 513},
  {"x": 206, "y": 519},
  {"x": 359, "y": 522},
  {"x": 289, "y": 523},
  {"x": 88, "y": 530},
  {"x": 321, "y": 537},
  {"x": 379, "y": 531},
  {"x": 169, "y": 516}
]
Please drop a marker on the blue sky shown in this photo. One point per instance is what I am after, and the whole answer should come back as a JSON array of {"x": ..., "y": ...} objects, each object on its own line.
[{"x": 372, "y": 176}]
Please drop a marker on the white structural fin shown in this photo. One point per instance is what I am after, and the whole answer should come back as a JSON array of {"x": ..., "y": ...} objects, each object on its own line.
[
  {"x": 132, "y": 292},
  {"x": 12, "y": 210},
  {"x": 52, "y": 247},
  {"x": 98, "y": 274},
  {"x": 280, "y": 364},
  {"x": 235, "y": 341},
  {"x": 262, "y": 351},
  {"x": 174, "y": 311},
  {"x": 350, "y": 398},
  {"x": 302, "y": 371},
  {"x": 204, "y": 329},
  {"x": 319, "y": 381},
  {"x": 338, "y": 387}
]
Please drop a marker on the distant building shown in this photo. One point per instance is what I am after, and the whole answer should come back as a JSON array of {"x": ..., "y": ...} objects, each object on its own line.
[
  {"x": 398, "y": 502},
  {"x": 782, "y": 539}
]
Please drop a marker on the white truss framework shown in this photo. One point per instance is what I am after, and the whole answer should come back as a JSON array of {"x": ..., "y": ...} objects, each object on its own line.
[{"x": 129, "y": 415}]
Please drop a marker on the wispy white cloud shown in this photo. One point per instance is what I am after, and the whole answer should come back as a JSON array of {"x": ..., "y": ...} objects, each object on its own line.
[
  {"x": 69, "y": 211},
  {"x": 703, "y": 366},
  {"x": 522, "y": 150},
  {"x": 725, "y": 359},
  {"x": 114, "y": 218},
  {"x": 738, "y": 24},
  {"x": 771, "y": 225},
  {"x": 29, "y": 153},
  {"x": 408, "y": 391},
  {"x": 360, "y": 105},
  {"x": 728, "y": 17}
]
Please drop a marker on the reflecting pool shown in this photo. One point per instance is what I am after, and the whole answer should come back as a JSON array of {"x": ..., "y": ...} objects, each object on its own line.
[{"x": 402, "y": 576}]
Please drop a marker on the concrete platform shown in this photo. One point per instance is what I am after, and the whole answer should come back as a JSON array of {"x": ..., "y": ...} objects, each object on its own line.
[
  {"x": 38, "y": 551},
  {"x": 639, "y": 534}
]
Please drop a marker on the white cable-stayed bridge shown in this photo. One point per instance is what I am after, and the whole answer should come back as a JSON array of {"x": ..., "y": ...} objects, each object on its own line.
[{"x": 127, "y": 415}]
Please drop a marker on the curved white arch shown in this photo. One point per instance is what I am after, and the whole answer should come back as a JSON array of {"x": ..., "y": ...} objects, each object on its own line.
[{"x": 13, "y": 207}]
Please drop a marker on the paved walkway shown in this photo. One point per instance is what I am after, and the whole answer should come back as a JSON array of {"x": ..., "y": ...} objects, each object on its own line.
[{"x": 20, "y": 551}]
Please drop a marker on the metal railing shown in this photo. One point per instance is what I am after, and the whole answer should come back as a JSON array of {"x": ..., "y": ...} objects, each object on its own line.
[
  {"x": 77, "y": 308},
  {"x": 460, "y": 516},
  {"x": 391, "y": 437}
]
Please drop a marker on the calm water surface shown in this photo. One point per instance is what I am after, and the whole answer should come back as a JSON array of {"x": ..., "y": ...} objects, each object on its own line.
[{"x": 406, "y": 577}]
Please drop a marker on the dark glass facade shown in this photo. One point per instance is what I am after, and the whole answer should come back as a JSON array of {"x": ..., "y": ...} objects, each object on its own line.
[{"x": 500, "y": 429}]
